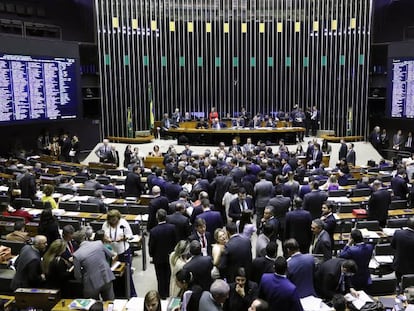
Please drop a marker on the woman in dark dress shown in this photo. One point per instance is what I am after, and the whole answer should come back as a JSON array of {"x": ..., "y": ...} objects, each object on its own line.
[
  {"x": 48, "y": 226},
  {"x": 58, "y": 270},
  {"x": 127, "y": 155}
]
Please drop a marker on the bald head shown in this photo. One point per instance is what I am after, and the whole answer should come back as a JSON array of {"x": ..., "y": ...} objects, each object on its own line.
[
  {"x": 156, "y": 190},
  {"x": 40, "y": 242}
]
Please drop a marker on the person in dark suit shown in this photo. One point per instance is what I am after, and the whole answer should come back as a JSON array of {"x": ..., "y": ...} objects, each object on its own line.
[
  {"x": 71, "y": 245},
  {"x": 322, "y": 244},
  {"x": 200, "y": 266},
  {"x": 301, "y": 268},
  {"x": 27, "y": 185},
  {"x": 158, "y": 202},
  {"x": 379, "y": 203},
  {"x": 375, "y": 138},
  {"x": 399, "y": 185},
  {"x": 278, "y": 291},
  {"x": 403, "y": 243},
  {"x": 361, "y": 253},
  {"x": 298, "y": 226},
  {"x": 173, "y": 188},
  {"x": 28, "y": 265},
  {"x": 161, "y": 243},
  {"x": 270, "y": 220},
  {"x": 237, "y": 253},
  {"x": 316, "y": 157},
  {"x": 343, "y": 150},
  {"x": 334, "y": 277},
  {"x": 201, "y": 235},
  {"x": 237, "y": 122},
  {"x": 217, "y": 124},
  {"x": 351, "y": 155},
  {"x": 133, "y": 186},
  {"x": 409, "y": 143},
  {"x": 181, "y": 222},
  {"x": 263, "y": 190},
  {"x": 212, "y": 218},
  {"x": 329, "y": 219},
  {"x": 265, "y": 264},
  {"x": 313, "y": 201},
  {"x": 202, "y": 124},
  {"x": 240, "y": 205},
  {"x": 281, "y": 206},
  {"x": 166, "y": 124},
  {"x": 242, "y": 292}
]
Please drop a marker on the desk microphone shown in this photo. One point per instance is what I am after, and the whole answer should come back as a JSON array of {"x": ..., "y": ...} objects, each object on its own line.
[{"x": 122, "y": 226}]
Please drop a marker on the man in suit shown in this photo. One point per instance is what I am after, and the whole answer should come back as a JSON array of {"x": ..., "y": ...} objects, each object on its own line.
[
  {"x": 399, "y": 185},
  {"x": 298, "y": 226},
  {"x": 237, "y": 122},
  {"x": 397, "y": 140},
  {"x": 173, "y": 188},
  {"x": 361, "y": 253},
  {"x": 220, "y": 186},
  {"x": 263, "y": 191},
  {"x": 200, "y": 266},
  {"x": 270, "y": 219},
  {"x": 214, "y": 299},
  {"x": 343, "y": 150},
  {"x": 263, "y": 239},
  {"x": 202, "y": 236},
  {"x": 92, "y": 268},
  {"x": 104, "y": 151},
  {"x": 240, "y": 205},
  {"x": 315, "y": 117},
  {"x": 166, "y": 124},
  {"x": 329, "y": 219},
  {"x": 281, "y": 206},
  {"x": 375, "y": 137},
  {"x": 378, "y": 203},
  {"x": 28, "y": 265},
  {"x": 278, "y": 291},
  {"x": 301, "y": 268},
  {"x": 237, "y": 253},
  {"x": 334, "y": 277},
  {"x": 409, "y": 143},
  {"x": 217, "y": 124},
  {"x": 403, "y": 243},
  {"x": 316, "y": 157},
  {"x": 161, "y": 243},
  {"x": 322, "y": 244},
  {"x": 27, "y": 185},
  {"x": 265, "y": 264},
  {"x": 181, "y": 222},
  {"x": 176, "y": 117},
  {"x": 313, "y": 200},
  {"x": 71, "y": 245},
  {"x": 351, "y": 155},
  {"x": 133, "y": 186},
  {"x": 156, "y": 203},
  {"x": 212, "y": 218}
]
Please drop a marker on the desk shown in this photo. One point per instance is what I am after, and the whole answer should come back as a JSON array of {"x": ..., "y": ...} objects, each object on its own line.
[
  {"x": 63, "y": 305},
  {"x": 213, "y": 136},
  {"x": 391, "y": 213},
  {"x": 8, "y": 302}
]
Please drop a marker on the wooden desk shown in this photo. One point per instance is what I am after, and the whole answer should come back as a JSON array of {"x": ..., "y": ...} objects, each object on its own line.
[
  {"x": 8, "y": 302},
  {"x": 213, "y": 136},
  {"x": 132, "y": 140},
  {"x": 391, "y": 213},
  {"x": 104, "y": 166},
  {"x": 154, "y": 161},
  {"x": 127, "y": 217}
]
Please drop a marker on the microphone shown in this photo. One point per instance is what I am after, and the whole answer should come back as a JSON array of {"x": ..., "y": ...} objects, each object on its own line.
[{"x": 122, "y": 226}]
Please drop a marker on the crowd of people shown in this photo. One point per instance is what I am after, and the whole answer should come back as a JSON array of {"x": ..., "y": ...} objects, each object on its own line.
[{"x": 61, "y": 146}]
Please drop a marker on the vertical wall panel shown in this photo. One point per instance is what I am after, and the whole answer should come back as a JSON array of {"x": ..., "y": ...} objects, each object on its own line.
[{"x": 264, "y": 55}]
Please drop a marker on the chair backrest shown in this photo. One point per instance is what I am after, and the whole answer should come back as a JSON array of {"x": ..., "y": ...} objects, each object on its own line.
[
  {"x": 384, "y": 249},
  {"x": 108, "y": 193},
  {"x": 123, "y": 209},
  {"x": 4, "y": 198},
  {"x": 103, "y": 180},
  {"x": 22, "y": 202},
  {"x": 385, "y": 178},
  {"x": 371, "y": 225},
  {"x": 348, "y": 208},
  {"x": 407, "y": 280},
  {"x": 98, "y": 171},
  {"x": 398, "y": 204},
  {"x": 397, "y": 222},
  {"x": 343, "y": 227},
  {"x": 75, "y": 223},
  {"x": 14, "y": 246},
  {"x": 80, "y": 179},
  {"x": 86, "y": 191},
  {"x": 64, "y": 190},
  {"x": 352, "y": 181},
  {"x": 69, "y": 206},
  {"x": 337, "y": 193},
  {"x": 114, "y": 172},
  {"x": 89, "y": 207},
  {"x": 41, "y": 205},
  {"x": 138, "y": 209},
  {"x": 96, "y": 225},
  {"x": 363, "y": 192}
]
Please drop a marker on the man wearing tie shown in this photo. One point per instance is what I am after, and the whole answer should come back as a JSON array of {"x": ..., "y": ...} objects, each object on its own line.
[
  {"x": 240, "y": 205},
  {"x": 72, "y": 246},
  {"x": 202, "y": 236},
  {"x": 408, "y": 145},
  {"x": 315, "y": 120},
  {"x": 104, "y": 151},
  {"x": 165, "y": 124},
  {"x": 176, "y": 117}
]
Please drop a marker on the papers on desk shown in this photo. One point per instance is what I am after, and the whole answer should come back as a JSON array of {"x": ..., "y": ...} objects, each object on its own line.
[
  {"x": 359, "y": 302},
  {"x": 143, "y": 217},
  {"x": 137, "y": 303},
  {"x": 389, "y": 231},
  {"x": 81, "y": 304},
  {"x": 312, "y": 303},
  {"x": 71, "y": 214},
  {"x": 66, "y": 197},
  {"x": 119, "y": 304},
  {"x": 34, "y": 212},
  {"x": 384, "y": 259},
  {"x": 366, "y": 234},
  {"x": 58, "y": 212},
  {"x": 339, "y": 199},
  {"x": 109, "y": 200},
  {"x": 4, "y": 189},
  {"x": 80, "y": 198}
]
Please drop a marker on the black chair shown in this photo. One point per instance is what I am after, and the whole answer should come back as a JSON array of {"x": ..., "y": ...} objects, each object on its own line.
[
  {"x": 108, "y": 194},
  {"x": 348, "y": 207},
  {"x": 64, "y": 190},
  {"x": 343, "y": 227},
  {"x": 397, "y": 222},
  {"x": 96, "y": 225},
  {"x": 103, "y": 180},
  {"x": 80, "y": 179},
  {"x": 373, "y": 170},
  {"x": 371, "y": 225},
  {"x": 337, "y": 193},
  {"x": 352, "y": 181},
  {"x": 123, "y": 209},
  {"x": 89, "y": 207},
  {"x": 382, "y": 286},
  {"x": 363, "y": 192},
  {"x": 4, "y": 199},
  {"x": 75, "y": 223},
  {"x": 114, "y": 172},
  {"x": 138, "y": 209},
  {"x": 398, "y": 204},
  {"x": 22, "y": 202},
  {"x": 14, "y": 246},
  {"x": 12, "y": 218},
  {"x": 69, "y": 206},
  {"x": 407, "y": 280},
  {"x": 97, "y": 171},
  {"x": 384, "y": 249},
  {"x": 86, "y": 191},
  {"x": 39, "y": 204},
  {"x": 385, "y": 178}
]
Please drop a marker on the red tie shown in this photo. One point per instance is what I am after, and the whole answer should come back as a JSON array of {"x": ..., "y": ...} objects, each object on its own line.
[{"x": 203, "y": 242}]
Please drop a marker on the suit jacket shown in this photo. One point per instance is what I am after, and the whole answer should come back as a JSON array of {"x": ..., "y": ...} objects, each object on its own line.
[
  {"x": 403, "y": 243},
  {"x": 330, "y": 224},
  {"x": 263, "y": 190},
  {"x": 301, "y": 268},
  {"x": 323, "y": 245},
  {"x": 343, "y": 150},
  {"x": 28, "y": 186},
  {"x": 133, "y": 187},
  {"x": 279, "y": 292},
  {"x": 281, "y": 206},
  {"x": 182, "y": 225},
  {"x": 351, "y": 157},
  {"x": 235, "y": 209},
  {"x": 154, "y": 205},
  {"x": 260, "y": 266},
  {"x": 378, "y": 205},
  {"x": 312, "y": 202},
  {"x": 28, "y": 269},
  {"x": 213, "y": 220},
  {"x": 237, "y": 253},
  {"x": 172, "y": 191},
  {"x": 162, "y": 242},
  {"x": 399, "y": 187},
  {"x": 298, "y": 224},
  {"x": 208, "y": 237},
  {"x": 91, "y": 264},
  {"x": 327, "y": 279},
  {"x": 360, "y": 253},
  {"x": 200, "y": 266},
  {"x": 220, "y": 186}
]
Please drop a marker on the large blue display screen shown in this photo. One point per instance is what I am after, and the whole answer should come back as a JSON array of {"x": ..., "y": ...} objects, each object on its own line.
[
  {"x": 38, "y": 88},
  {"x": 401, "y": 97}
]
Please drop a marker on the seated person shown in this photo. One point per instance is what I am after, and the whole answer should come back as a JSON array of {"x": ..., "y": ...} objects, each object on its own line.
[
  {"x": 238, "y": 122},
  {"x": 19, "y": 234},
  {"x": 270, "y": 123},
  {"x": 217, "y": 124},
  {"x": 255, "y": 122},
  {"x": 202, "y": 124},
  {"x": 48, "y": 191}
]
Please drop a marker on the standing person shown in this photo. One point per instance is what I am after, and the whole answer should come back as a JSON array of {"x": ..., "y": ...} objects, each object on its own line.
[
  {"x": 28, "y": 265},
  {"x": 403, "y": 243},
  {"x": 343, "y": 150},
  {"x": 213, "y": 114},
  {"x": 214, "y": 299},
  {"x": 74, "y": 149},
  {"x": 322, "y": 244},
  {"x": 127, "y": 155},
  {"x": 176, "y": 117},
  {"x": 351, "y": 155},
  {"x": 92, "y": 268},
  {"x": 397, "y": 140},
  {"x": 178, "y": 259},
  {"x": 242, "y": 292},
  {"x": 104, "y": 151},
  {"x": 158, "y": 202},
  {"x": 220, "y": 235},
  {"x": 161, "y": 243},
  {"x": 278, "y": 291},
  {"x": 378, "y": 203},
  {"x": 119, "y": 231},
  {"x": 133, "y": 186},
  {"x": 375, "y": 138},
  {"x": 313, "y": 200},
  {"x": 27, "y": 185},
  {"x": 263, "y": 191},
  {"x": 66, "y": 145},
  {"x": 315, "y": 118},
  {"x": 298, "y": 226},
  {"x": 48, "y": 226}
]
